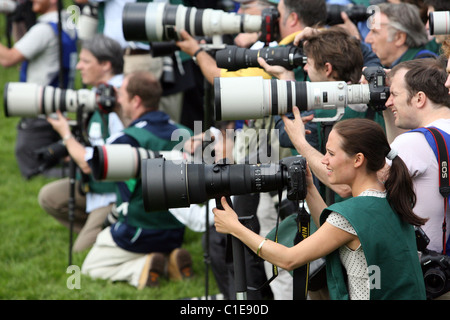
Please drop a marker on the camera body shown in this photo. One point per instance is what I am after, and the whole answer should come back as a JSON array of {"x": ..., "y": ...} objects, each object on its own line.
[
  {"x": 175, "y": 184},
  {"x": 24, "y": 99},
  {"x": 379, "y": 92},
  {"x": 435, "y": 267},
  {"x": 270, "y": 28}
]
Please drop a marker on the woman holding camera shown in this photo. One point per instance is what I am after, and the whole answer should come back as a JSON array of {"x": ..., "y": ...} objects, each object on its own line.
[{"x": 370, "y": 234}]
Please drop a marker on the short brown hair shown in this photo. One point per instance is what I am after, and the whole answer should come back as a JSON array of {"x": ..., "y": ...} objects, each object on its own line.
[
  {"x": 145, "y": 85},
  {"x": 426, "y": 75},
  {"x": 337, "y": 47}
]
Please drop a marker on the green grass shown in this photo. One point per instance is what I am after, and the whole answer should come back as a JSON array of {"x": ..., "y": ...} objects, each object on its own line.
[{"x": 34, "y": 247}]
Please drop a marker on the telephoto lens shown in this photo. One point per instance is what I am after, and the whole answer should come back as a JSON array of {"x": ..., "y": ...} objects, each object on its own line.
[
  {"x": 24, "y": 99},
  {"x": 355, "y": 13},
  {"x": 121, "y": 162},
  {"x": 233, "y": 100},
  {"x": 168, "y": 184},
  {"x": 234, "y": 58},
  {"x": 163, "y": 22},
  {"x": 439, "y": 22}
]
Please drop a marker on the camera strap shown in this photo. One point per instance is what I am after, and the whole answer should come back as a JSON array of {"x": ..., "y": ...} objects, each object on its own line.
[
  {"x": 301, "y": 274},
  {"x": 438, "y": 139}
]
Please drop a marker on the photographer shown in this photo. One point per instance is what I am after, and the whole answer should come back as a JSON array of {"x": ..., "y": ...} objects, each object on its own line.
[
  {"x": 420, "y": 99},
  {"x": 356, "y": 151},
  {"x": 207, "y": 63},
  {"x": 294, "y": 17},
  {"x": 136, "y": 247},
  {"x": 397, "y": 34},
  {"x": 100, "y": 62},
  {"x": 333, "y": 55},
  {"x": 38, "y": 53}
]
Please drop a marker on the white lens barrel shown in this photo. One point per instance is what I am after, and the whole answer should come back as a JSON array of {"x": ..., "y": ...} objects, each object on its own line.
[
  {"x": 162, "y": 18},
  {"x": 439, "y": 22},
  {"x": 326, "y": 95},
  {"x": 241, "y": 98},
  {"x": 7, "y": 6},
  {"x": 358, "y": 94},
  {"x": 120, "y": 162},
  {"x": 220, "y": 22},
  {"x": 154, "y": 21},
  {"x": 22, "y": 99}
]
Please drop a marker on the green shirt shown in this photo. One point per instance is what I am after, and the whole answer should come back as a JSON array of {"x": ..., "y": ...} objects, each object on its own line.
[{"x": 388, "y": 243}]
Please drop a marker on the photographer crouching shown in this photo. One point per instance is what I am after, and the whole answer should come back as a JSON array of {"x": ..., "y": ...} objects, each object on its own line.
[
  {"x": 101, "y": 61},
  {"x": 137, "y": 247}
]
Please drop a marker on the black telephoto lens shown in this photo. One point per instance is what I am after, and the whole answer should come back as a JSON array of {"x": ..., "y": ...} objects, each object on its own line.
[{"x": 172, "y": 184}]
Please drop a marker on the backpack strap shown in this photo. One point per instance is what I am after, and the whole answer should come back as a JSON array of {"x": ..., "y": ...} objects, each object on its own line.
[
  {"x": 69, "y": 57},
  {"x": 425, "y": 54},
  {"x": 438, "y": 141}
]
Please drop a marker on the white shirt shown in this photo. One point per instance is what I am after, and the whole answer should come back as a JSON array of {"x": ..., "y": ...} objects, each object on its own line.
[
  {"x": 423, "y": 167},
  {"x": 40, "y": 47}
]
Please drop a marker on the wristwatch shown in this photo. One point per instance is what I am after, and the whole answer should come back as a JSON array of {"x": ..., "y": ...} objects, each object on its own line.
[{"x": 194, "y": 57}]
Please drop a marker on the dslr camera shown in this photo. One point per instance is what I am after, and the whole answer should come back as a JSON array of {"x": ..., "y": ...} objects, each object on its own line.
[
  {"x": 233, "y": 100},
  {"x": 25, "y": 99},
  {"x": 175, "y": 184},
  {"x": 435, "y": 267}
]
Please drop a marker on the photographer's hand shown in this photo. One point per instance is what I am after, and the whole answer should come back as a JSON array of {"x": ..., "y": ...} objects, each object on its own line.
[
  {"x": 226, "y": 220},
  {"x": 60, "y": 124},
  {"x": 296, "y": 128},
  {"x": 278, "y": 72},
  {"x": 305, "y": 34},
  {"x": 296, "y": 132},
  {"x": 189, "y": 44},
  {"x": 349, "y": 26},
  {"x": 75, "y": 149},
  {"x": 245, "y": 40},
  {"x": 206, "y": 63}
]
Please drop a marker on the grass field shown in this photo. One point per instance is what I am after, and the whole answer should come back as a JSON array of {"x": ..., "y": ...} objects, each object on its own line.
[{"x": 34, "y": 247}]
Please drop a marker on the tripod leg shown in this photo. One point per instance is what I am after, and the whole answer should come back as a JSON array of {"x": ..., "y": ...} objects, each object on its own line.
[
  {"x": 72, "y": 173},
  {"x": 240, "y": 278}
]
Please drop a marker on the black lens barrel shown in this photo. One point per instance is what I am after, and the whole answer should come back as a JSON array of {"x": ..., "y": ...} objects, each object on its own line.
[
  {"x": 133, "y": 24},
  {"x": 167, "y": 184}
]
